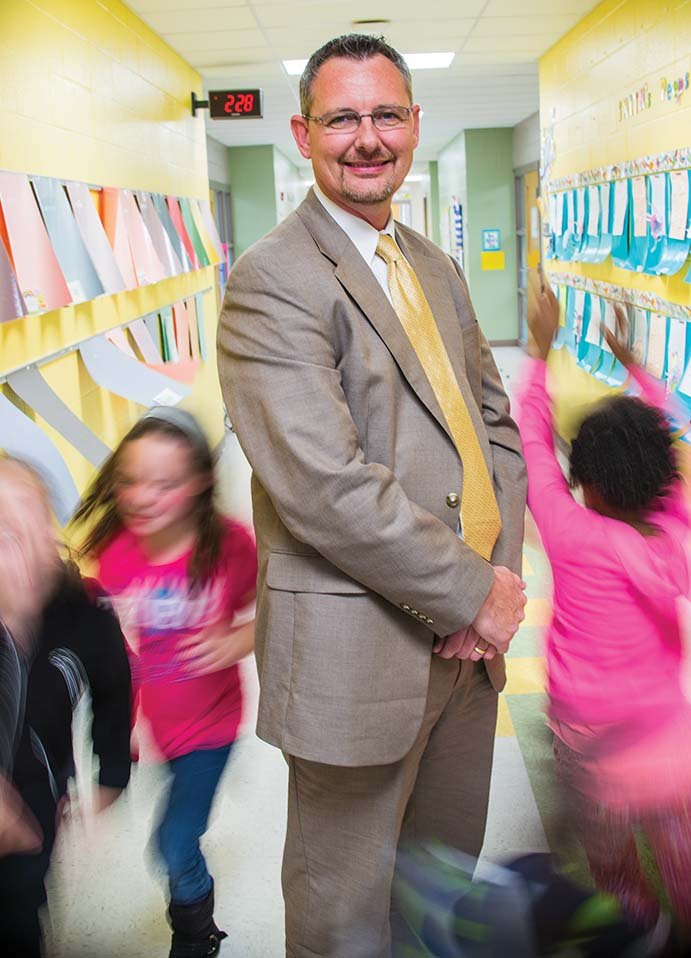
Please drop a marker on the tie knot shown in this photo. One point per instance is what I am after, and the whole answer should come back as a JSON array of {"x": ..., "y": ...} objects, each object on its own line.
[{"x": 388, "y": 249}]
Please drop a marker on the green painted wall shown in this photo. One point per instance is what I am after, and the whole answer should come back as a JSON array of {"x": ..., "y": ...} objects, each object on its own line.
[
  {"x": 490, "y": 204},
  {"x": 476, "y": 170},
  {"x": 265, "y": 186},
  {"x": 253, "y": 193},
  {"x": 435, "y": 232}
]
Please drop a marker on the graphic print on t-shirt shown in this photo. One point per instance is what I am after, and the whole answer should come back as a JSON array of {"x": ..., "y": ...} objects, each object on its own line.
[{"x": 157, "y": 613}]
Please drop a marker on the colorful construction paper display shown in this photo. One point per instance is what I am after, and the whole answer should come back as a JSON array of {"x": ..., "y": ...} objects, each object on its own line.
[{"x": 38, "y": 272}]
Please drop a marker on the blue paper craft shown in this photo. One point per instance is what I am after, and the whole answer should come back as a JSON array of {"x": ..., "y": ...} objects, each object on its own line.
[
  {"x": 72, "y": 255},
  {"x": 620, "y": 197}
]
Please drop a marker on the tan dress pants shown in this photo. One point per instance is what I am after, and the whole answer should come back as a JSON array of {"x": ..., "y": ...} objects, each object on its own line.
[{"x": 344, "y": 824}]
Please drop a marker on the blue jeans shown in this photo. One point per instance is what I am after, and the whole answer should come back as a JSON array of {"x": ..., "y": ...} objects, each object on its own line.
[{"x": 194, "y": 779}]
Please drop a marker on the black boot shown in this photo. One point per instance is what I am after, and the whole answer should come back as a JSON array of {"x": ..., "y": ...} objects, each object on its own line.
[{"x": 195, "y": 934}]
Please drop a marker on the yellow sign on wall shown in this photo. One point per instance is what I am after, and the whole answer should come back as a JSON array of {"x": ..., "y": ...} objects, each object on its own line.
[{"x": 492, "y": 260}]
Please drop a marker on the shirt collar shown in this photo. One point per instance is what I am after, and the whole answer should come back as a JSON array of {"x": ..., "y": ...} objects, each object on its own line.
[{"x": 363, "y": 236}]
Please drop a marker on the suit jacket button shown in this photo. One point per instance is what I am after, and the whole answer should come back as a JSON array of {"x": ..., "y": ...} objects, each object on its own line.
[
  {"x": 413, "y": 612},
  {"x": 453, "y": 500},
  {"x": 406, "y": 608}
]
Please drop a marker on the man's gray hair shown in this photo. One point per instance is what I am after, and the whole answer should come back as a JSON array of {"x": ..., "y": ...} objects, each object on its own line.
[{"x": 351, "y": 46}]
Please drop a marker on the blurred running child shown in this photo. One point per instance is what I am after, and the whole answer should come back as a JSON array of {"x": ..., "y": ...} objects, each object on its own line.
[
  {"x": 621, "y": 721},
  {"x": 182, "y": 579},
  {"x": 55, "y": 643}
]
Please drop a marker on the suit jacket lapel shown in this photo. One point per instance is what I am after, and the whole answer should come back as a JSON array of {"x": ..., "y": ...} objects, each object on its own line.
[{"x": 357, "y": 279}]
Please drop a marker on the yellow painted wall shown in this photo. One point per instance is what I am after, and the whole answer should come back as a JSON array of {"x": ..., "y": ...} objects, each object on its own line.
[
  {"x": 621, "y": 47},
  {"x": 91, "y": 93}
]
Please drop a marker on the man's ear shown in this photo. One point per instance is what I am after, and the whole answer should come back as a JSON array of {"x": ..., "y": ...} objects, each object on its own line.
[{"x": 300, "y": 129}]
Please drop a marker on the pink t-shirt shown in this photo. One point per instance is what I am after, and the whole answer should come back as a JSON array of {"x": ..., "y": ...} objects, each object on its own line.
[
  {"x": 613, "y": 646},
  {"x": 157, "y": 612}
]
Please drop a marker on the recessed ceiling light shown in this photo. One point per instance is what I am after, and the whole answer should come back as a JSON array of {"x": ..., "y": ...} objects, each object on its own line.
[{"x": 416, "y": 61}]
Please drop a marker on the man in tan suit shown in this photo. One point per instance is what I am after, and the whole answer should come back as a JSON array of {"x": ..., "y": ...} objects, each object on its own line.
[{"x": 389, "y": 494}]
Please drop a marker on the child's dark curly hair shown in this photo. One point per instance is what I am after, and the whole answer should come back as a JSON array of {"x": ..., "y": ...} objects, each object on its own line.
[{"x": 624, "y": 450}]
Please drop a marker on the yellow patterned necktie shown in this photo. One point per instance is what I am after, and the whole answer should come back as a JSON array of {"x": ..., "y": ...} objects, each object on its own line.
[{"x": 480, "y": 518}]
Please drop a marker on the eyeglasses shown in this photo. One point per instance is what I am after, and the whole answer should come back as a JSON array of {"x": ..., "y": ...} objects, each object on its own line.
[{"x": 348, "y": 121}]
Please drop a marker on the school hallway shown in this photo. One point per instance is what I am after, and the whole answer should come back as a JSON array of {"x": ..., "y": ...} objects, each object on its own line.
[{"x": 105, "y": 899}]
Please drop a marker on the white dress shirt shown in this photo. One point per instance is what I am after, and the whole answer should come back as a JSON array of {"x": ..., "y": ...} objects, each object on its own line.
[{"x": 363, "y": 236}]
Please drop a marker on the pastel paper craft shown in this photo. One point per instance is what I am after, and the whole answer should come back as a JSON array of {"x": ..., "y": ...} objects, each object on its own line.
[
  {"x": 76, "y": 265},
  {"x": 116, "y": 230},
  {"x": 201, "y": 331},
  {"x": 159, "y": 237},
  {"x": 161, "y": 206},
  {"x": 209, "y": 248},
  {"x": 194, "y": 334},
  {"x": 38, "y": 273},
  {"x": 118, "y": 337},
  {"x": 32, "y": 388},
  {"x": 145, "y": 344},
  {"x": 21, "y": 437},
  {"x": 176, "y": 217},
  {"x": 182, "y": 331},
  {"x": 170, "y": 346},
  {"x": 193, "y": 232},
  {"x": 113, "y": 370},
  {"x": 147, "y": 265},
  {"x": 12, "y": 304},
  {"x": 210, "y": 224},
  {"x": 94, "y": 237}
]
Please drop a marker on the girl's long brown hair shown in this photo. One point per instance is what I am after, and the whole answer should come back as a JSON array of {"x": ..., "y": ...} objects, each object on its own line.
[{"x": 98, "y": 504}]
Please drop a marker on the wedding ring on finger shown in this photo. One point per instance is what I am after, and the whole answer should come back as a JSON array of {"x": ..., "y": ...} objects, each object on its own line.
[{"x": 479, "y": 650}]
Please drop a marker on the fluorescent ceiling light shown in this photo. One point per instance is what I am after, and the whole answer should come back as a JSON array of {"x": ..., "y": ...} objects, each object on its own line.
[
  {"x": 416, "y": 61},
  {"x": 428, "y": 61},
  {"x": 294, "y": 68}
]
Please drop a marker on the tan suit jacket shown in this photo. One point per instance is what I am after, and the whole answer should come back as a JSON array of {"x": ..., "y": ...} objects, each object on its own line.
[{"x": 354, "y": 476}]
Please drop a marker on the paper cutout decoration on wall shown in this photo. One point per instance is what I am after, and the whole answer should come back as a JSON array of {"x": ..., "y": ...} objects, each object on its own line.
[
  {"x": 212, "y": 253},
  {"x": 620, "y": 223},
  {"x": 175, "y": 238},
  {"x": 94, "y": 236},
  {"x": 30, "y": 386},
  {"x": 640, "y": 335},
  {"x": 38, "y": 273},
  {"x": 159, "y": 236},
  {"x": 201, "y": 329},
  {"x": 113, "y": 370},
  {"x": 118, "y": 337},
  {"x": 115, "y": 225},
  {"x": 21, "y": 437},
  {"x": 76, "y": 265},
  {"x": 657, "y": 345},
  {"x": 182, "y": 330},
  {"x": 180, "y": 228},
  {"x": 12, "y": 304},
  {"x": 676, "y": 352},
  {"x": 147, "y": 265},
  {"x": 170, "y": 346},
  {"x": 145, "y": 344},
  {"x": 208, "y": 219},
  {"x": 193, "y": 232},
  {"x": 669, "y": 242}
]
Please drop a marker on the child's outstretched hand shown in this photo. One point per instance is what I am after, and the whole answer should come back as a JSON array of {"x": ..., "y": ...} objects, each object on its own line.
[
  {"x": 543, "y": 314},
  {"x": 618, "y": 341}
]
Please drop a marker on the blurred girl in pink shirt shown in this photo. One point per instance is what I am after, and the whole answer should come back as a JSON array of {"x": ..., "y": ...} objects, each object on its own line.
[
  {"x": 182, "y": 579},
  {"x": 621, "y": 720}
]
